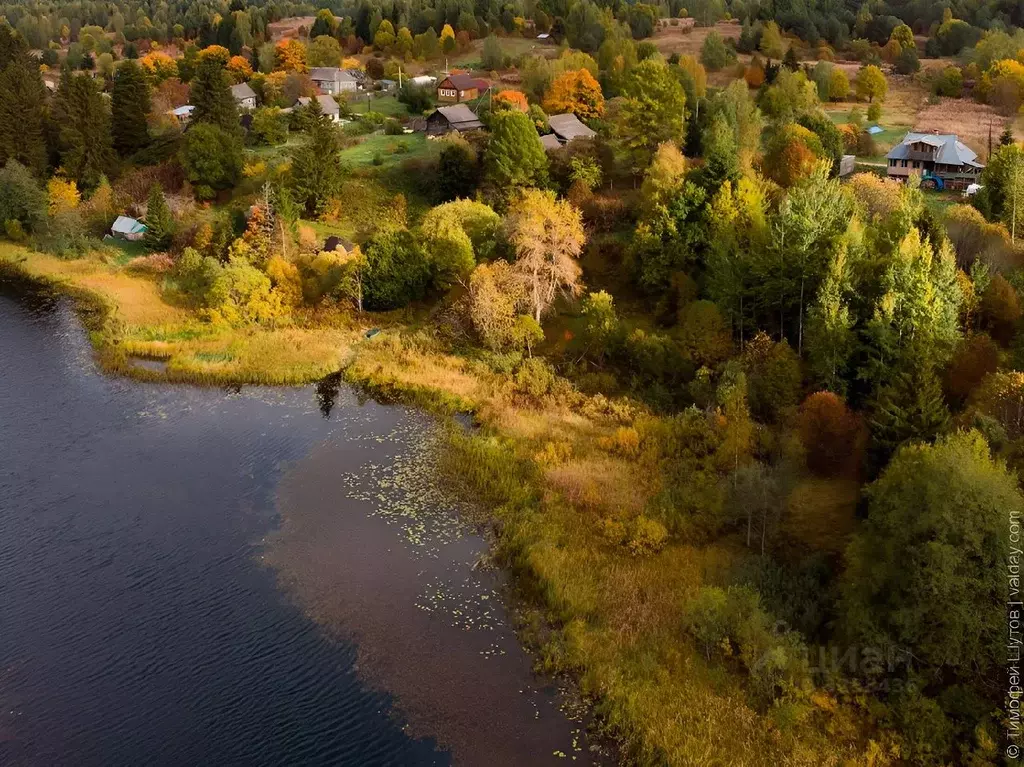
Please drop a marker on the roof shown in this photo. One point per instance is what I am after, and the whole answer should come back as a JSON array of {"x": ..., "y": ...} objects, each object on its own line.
[
  {"x": 327, "y": 104},
  {"x": 460, "y": 117},
  {"x": 465, "y": 82},
  {"x": 330, "y": 73},
  {"x": 242, "y": 91},
  {"x": 874, "y": 130},
  {"x": 182, "y": 111},
  {"x": 568, "y": 127},
  {"x": 951, "y": 151},
  {"x": 126, "y": 225},
  {"x": 423, "y": 80},
  {"x": 550, "y": 141}
]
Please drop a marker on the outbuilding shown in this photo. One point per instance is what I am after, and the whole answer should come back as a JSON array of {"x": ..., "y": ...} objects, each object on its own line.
[
  {"x": 126, "y": 228},
  {"x": 458, "y": 118}
]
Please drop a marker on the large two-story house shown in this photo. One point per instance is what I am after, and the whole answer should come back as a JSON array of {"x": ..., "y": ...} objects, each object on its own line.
[{"x": 940, "y": 159}]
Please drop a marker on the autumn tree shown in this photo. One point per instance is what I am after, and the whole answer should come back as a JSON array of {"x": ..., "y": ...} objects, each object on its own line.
[
  {"x": 576, "y": 92},
  {"x": 447, "y": 39},
  {"x": 1000, "y": 308},
  {"x": 509, "y": 99},
  {"x": 975, "y": 357},
  {"x": 547, "y": 234},
  {"x": 239, "y": 69},
  {"x": 652, "y": 110},
  {"x": 772, "y": 45},
  {"x": 61, "y": 195},
  {"x": 455, "y": 236},
  {"x": 871, "y": 83},
  {"x": 497, "y": 295},
  {"x": 290, "y": 55},
  {"x": 791, "y": 155},
  {"x": 829, "y": 432}
]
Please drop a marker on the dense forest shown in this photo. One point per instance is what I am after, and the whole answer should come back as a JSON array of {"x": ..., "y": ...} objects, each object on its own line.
[{"x": 752, "y": 426}]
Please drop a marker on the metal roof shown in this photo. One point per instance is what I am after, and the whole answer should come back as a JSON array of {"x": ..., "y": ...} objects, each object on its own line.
[
  {"x": 550, "y": 141},
  {"x": 127, "y": 225},
  {"x": 568, "y": 127},
  {"x": 460, "y": 116},
  {"x": 951, "y": 151}
]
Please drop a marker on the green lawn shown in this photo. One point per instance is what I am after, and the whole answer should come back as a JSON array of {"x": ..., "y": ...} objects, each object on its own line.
[
  {"x": 387, "y": 150},
  {"x": 126, "y": 249},
  {"x": 370, "y": 102}
]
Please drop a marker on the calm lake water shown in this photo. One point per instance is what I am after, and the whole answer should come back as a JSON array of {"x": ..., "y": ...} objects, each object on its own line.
[{"x": 258, "y": 577}]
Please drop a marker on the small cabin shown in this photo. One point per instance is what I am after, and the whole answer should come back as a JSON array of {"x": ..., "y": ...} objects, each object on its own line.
[
  {"x": 454, "y": 89},
  {"x": 127, "y": 228}
]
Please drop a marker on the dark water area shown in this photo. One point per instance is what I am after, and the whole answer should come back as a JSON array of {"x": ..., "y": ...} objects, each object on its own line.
[{"x": 270, "y": 576}]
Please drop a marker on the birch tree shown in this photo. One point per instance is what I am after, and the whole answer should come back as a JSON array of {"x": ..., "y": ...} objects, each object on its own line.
[{"x": 548, "y": 236}]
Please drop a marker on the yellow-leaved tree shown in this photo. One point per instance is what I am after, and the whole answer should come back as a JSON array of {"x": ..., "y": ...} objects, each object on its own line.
[
  {"x": 577, "y": 92},
  {"x": 290, "y": 55},
  {"x": 548, "y": 236}
]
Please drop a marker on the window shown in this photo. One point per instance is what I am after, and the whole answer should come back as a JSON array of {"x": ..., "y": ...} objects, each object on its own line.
[
  {"x": 917, "y": 164},
  {"x": 904, "y": 163}
]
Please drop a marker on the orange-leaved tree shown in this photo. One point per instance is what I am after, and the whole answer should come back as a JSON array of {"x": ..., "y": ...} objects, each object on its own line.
[
  {"x": 239, "y": 68},
  {"x": 577, "y": 92},
  {"x": 290, "y": 55},
  {"x": 509, "y": 99}
]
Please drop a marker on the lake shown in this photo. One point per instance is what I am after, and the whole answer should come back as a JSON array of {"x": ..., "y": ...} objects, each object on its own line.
[{"x": 263, "y": 576}]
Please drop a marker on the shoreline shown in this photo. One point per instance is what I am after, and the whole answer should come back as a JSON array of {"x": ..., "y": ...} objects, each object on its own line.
[
  {"x": 96, "y": 314},
  {"x": 567, "y": 480}
]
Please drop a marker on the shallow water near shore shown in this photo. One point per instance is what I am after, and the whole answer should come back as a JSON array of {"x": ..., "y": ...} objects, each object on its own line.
[{"x": 251, "y": 577}]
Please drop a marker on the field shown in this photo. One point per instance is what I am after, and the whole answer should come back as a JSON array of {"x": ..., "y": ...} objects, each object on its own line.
[
  {"x": 669, "y": 39},
  {"x": 510, "y": 46},
  {"x": 388, "y": 150}
]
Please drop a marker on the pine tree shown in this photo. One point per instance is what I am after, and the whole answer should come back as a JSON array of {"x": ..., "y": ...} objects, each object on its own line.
[
  {"x": 23, "y": 114},
  {"x": 211, "y": 96},
  {"x": 83, "y": 118},
  {"x": 129, "y": 107},
  {"x": 159, "y": 221}
]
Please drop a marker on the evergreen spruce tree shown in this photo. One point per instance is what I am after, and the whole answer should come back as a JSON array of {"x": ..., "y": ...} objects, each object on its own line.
[
  {"x": 83, "y": 121},
  {"x": 910, "y": 409},
  {"x": 790, "y": 61},
  {"x": 211, "y": 97},
  {"x": 159, "y": 221},
  {"x": 129, "y": 107},
  {"x": 23, "y": 112}
]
